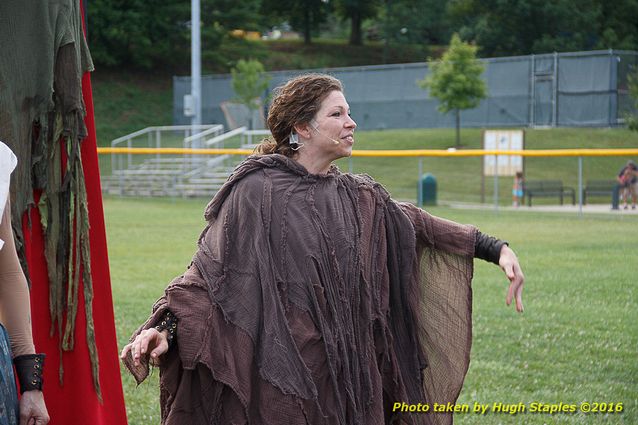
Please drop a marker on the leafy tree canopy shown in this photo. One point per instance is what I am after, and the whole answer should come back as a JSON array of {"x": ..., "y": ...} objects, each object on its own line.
[
  {"x": 357, "y": 11},
  {"x": 149, "y": 33},
  {"x": 249, "y": 82},
  {"x": 415, "y": 21},
  {"x": 304, "y": 15},
  {"x": 456, "y": 80},
  {"x": 518, "y": 27}
]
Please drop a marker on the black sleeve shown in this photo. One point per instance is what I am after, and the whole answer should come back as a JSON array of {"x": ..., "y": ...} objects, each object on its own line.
[{"x": 488, "y": 248}]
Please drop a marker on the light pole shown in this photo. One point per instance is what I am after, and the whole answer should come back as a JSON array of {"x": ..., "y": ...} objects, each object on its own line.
[
  {"x": 386, "y": 43},
  {"x": 196, "y": 69}
]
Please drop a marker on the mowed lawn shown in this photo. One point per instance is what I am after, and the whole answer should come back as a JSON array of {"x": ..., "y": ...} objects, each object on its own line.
[{"x": 576, "y": 341}]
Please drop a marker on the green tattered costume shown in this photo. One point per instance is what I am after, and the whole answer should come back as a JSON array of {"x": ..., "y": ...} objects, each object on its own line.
[{"x": 42, "y": 121}]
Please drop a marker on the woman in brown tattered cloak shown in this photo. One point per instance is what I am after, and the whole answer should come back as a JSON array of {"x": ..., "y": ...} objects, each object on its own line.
[{"x": 313, "y": 297}]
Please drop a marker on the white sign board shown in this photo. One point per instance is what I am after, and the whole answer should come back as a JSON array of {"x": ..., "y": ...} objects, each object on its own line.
[{"x": 503, "y": 140}]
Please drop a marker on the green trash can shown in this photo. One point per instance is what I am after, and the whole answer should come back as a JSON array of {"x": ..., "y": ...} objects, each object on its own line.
[{"x": 426, "y": 193}]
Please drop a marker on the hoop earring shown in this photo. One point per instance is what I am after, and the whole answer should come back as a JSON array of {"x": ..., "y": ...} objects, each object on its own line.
[{"x": 293, "y": 141}]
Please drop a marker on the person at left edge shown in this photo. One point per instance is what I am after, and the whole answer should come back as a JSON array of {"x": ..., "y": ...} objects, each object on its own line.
[{"x": 16, "y": 340}]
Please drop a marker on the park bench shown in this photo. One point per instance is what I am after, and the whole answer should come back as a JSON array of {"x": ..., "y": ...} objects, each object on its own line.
[
  {"x": 547, "y": 188},
  {"x": 599, "y": 188}
]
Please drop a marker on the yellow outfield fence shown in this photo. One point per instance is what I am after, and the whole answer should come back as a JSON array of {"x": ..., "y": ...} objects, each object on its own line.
[
  {"x": 420, "y": 154},
  {"x": 388, "y": 153}
]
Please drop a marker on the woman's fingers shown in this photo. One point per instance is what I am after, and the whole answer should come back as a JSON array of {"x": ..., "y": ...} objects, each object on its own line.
[
  {"x": 510, "y": 294},
  {"x": 516, "y": 289},
  {"x": 519, "y": 295},
  {"x": 148, "y": 339},
  {"x": 135, "y": 348},
  {"x": 510, "y": 265}
]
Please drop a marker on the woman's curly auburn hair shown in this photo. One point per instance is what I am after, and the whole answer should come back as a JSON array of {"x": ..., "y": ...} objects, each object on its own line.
[{"x": 295, "y": 103}]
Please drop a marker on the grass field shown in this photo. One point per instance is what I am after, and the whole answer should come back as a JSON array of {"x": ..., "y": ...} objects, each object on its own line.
[{"x": 577, "y": 340}]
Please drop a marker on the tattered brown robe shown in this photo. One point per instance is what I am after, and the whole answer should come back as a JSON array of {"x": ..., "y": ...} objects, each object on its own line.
[{"x": 316, "y": 300}]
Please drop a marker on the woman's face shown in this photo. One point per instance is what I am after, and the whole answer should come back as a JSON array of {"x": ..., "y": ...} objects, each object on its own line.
[{"x": 332, "y": 130}]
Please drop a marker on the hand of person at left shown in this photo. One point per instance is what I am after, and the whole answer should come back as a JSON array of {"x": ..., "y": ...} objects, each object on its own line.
[
  {"x": 509, "y": 264},
  {"x": 33, "y": 411}
]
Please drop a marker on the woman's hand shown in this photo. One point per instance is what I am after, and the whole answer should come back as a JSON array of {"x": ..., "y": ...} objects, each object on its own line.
[
  {"x": 509, "y": 264},
  {"x": 149, "y": 340},
  {"x": 33, "y": 411}
]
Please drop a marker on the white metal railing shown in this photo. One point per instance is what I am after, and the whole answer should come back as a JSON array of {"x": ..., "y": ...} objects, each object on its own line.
[
  {"x": 247, "y": 137},
  {"x": 219, "y": 140},
  {"x": 195, "y": 140},
  {"x": 179, "y": 168},
  {"x": 154, "y": 139},
  {"x": 186, "y": 128}
]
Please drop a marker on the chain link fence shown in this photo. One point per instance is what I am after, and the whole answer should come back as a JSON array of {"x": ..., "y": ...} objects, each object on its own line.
[{"x": 560, "y": 89}]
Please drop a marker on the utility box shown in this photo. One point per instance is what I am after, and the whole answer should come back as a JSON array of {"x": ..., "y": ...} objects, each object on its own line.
[
  {"x": 427, "y": 190},
  {"x": 189, "y": 105}
]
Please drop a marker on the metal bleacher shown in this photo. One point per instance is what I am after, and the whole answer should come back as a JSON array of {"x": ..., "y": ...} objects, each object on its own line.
[{"x": 182, "y": 175}]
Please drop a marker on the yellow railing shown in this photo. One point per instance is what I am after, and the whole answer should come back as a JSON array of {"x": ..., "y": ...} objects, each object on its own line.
[{"x": 386, "y": 153}]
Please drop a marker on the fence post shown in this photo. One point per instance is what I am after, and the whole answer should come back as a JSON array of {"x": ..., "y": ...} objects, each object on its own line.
[
  {"x": 613, "y": 89},
  {"x": 495, "y": 182},
  {"x": 158, "y": 144},
  {"x": 580, "y": 186},
  {"x": 555, "y": 92},
  {"x": 130, "y": 157},
  {"x": 120, "y": 178},
  {"x": 113, "y": 161},
  {"x": 418, "y": 183},
  {"x": 532, "y": 87}
]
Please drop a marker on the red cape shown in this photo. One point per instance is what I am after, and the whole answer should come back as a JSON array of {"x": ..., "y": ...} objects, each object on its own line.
[{"x": 75, "y": 401}]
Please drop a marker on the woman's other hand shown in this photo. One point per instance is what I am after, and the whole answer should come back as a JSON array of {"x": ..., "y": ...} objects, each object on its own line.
[
  {"x": 148, "y": 341},
  {"x": 509, "y": 264}
]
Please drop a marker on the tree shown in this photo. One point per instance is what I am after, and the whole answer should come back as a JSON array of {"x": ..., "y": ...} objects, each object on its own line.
[
  {"x": 405, "y": 22},
  {"x": 305, "y": 15},
  {"x": 456, "y": 80},
  {"x": 357, "y": 11},
  {"x": 618, "y": 25},
  {"x": 521, "y": 27},
  {"x": 151, "y": 33},
  {"x": 138, "y": 33},
  {"x": 232, "y": 14},
  {"x": 249, "y": 81}
]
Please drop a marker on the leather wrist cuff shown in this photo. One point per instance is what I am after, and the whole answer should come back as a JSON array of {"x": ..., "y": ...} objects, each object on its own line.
[
  {"x": 488, "y": 248},
  {"x": 29, "y": 370},
  {"x": 168, "y": 323}
]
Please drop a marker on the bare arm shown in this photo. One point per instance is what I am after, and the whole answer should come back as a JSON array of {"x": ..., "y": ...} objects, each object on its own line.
[
  {"x": 15, "y": 309},
  {"x": 15, "y": 315}
]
